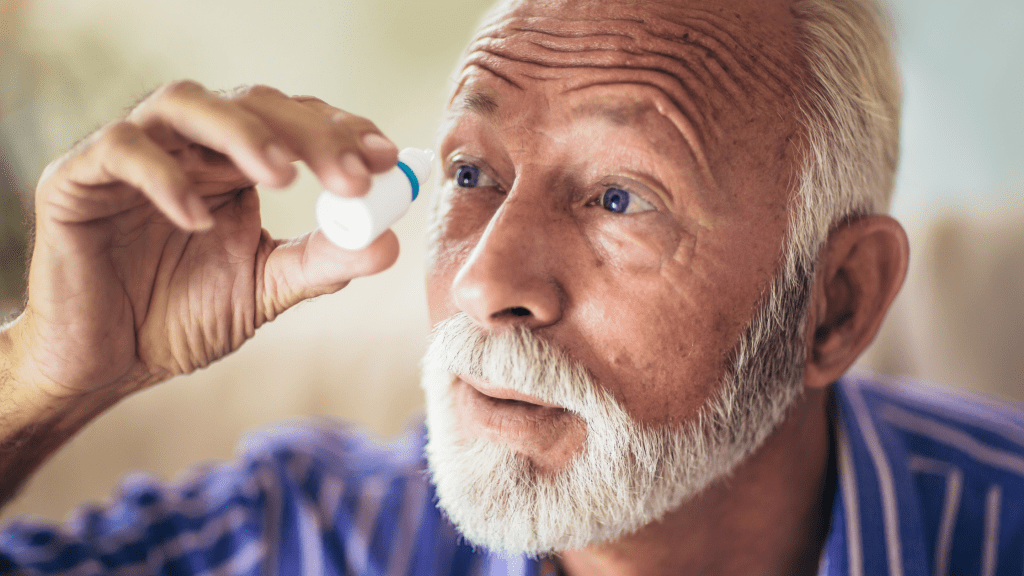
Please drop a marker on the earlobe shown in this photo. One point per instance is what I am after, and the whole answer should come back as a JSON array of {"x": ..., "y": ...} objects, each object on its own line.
[{"x": 860, "y": 270}]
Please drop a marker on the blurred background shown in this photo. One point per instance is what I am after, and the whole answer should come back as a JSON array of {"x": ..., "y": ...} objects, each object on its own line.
[{"x": 69, "y": 66}]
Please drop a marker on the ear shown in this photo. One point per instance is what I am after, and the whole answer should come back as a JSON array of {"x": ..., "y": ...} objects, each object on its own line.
[{"x": 860, "y": 270}]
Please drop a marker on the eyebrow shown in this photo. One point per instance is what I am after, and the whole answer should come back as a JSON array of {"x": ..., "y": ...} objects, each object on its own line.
[
  {"x": 485, "y": 105},
  {"x": 479, "y": 103},
  {"x": 617, "y": 113}
]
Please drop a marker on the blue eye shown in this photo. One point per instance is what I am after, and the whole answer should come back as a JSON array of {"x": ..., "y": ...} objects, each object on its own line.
[
  {"x": 467, "y": 176},
  {"x": 615, "y": 200}
]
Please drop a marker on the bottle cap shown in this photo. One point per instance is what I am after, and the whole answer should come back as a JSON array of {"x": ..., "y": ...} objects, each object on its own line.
[{"x": 419, "y": 162}]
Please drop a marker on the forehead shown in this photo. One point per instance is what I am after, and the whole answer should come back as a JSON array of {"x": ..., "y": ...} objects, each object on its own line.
[{"x": 720, "y": 72}]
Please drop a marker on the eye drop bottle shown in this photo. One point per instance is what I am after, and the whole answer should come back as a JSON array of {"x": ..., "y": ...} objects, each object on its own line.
[{"x": 353, "y": 223}]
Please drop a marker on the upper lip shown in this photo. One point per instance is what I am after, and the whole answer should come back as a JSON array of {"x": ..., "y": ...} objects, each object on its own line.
[{"x": 504, "y": 393}]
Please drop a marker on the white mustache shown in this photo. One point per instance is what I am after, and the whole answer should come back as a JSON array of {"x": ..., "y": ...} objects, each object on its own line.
[{"x": 518, "y": 360}]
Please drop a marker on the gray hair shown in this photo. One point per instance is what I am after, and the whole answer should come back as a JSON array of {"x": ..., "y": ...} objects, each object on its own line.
[{"x": 850, "y": 110}]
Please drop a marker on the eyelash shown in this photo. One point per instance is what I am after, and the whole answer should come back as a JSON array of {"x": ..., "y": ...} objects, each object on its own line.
[{"x": 604, "y": 200}]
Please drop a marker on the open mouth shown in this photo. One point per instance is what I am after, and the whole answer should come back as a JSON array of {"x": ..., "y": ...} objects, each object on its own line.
[
  {"x": 506, "y": 395},
  {"x": 503, "y": 414},
  {"x": 545, "y": 433}
]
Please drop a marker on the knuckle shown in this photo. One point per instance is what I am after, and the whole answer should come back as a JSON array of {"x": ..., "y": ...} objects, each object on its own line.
[
  {"x": 50, "y": 172},
  {"x": 116, "y": 136},
  {"x": 180, "y": 89},
  {"x": 357, "y": 126},
  {"x": 169, "y": 92},
  {"x": 258, "y": 92},
  {"x": 315, "y": 103}
]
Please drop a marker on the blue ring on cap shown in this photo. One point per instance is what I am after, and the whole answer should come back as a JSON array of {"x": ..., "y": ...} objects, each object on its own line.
[{"x": 412, "y": 179}]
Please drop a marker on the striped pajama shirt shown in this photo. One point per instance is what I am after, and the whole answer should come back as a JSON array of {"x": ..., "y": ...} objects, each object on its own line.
[{"x": 928, "y": 483}]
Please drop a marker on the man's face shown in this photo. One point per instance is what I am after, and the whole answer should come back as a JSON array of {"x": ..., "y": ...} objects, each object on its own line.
[{"x": 616, "y": 180}]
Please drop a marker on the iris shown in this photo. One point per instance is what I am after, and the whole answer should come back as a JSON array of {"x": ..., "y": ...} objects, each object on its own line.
[
  {"x": 615, "y": 200},
  {"x": 467, "y": 176}
]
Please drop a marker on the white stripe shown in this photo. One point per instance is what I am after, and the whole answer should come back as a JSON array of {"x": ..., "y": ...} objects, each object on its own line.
[
  {"x": 307, "y": 516},
  {"x": 823, "y": 566},
  {"x": 516, "y": 566},
  {"x": 241, "y": 561},
  {"x": 480, "y": 565},
  {"x": 357, "y": 543},
  {"x": 309, "y": 537},
  {"x": 252, "y": 552},
  {"x": 956, "y": 438},
  {"x": 918, "y": 463},
  {"x": 330, "y": 499},
  {"x": 409, "y": 526},
  {"x": 192, "y": 509},
  {"x": 491, "y": 565},
  {"x": 950, "y": 507},
  {"x": 993, "y": 420},
  {"x": 849, "y": 484},
  {"x": 885, "y": 481},
  {"x": 275, "y": 513},
  {"x": 993, "y": 505},
  {"x": 950, "y": 510}
]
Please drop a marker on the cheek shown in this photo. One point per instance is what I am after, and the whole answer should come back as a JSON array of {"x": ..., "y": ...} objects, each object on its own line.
[
  {"x": 661, "y": 371},
  {"x": 458, "y": 227},
  {"x": 637, "y": 244},
  {"x": 657, "y": 347}
]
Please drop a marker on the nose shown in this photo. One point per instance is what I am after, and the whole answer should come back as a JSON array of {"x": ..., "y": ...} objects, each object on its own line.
[{"x": 508, "y": 280}]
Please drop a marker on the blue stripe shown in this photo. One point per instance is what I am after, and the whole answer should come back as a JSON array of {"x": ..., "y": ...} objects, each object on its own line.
[
  {"x": 387, "y": 523},
  {"x": 412, "y": 179}
]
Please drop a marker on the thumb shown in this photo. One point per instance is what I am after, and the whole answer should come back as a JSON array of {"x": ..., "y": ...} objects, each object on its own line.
[{"x": 310, "y": 265}]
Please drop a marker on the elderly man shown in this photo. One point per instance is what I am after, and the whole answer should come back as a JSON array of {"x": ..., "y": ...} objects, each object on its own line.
[{"x": 658, "y": 248}]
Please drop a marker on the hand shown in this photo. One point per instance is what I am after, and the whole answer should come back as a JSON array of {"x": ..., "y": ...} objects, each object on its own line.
[{"x": 149, "y": 258}]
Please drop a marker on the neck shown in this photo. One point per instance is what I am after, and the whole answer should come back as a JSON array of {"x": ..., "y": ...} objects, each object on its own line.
[{"x": 770, "y": 517}]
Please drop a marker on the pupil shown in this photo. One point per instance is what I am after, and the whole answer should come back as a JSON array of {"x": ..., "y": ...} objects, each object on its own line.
[
  {"x": 467, "y": 176},
  {"x": 616, "y": 200}
]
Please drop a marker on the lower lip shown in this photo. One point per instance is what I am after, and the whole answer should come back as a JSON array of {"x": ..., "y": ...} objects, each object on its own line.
[{"x": 509, "y": 421}]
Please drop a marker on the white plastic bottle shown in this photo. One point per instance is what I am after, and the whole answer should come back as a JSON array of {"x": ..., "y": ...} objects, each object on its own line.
[{"x": 353, "y": 223}]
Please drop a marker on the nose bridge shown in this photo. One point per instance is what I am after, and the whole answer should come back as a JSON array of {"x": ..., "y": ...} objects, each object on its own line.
[{"x": 508, "y": 276}]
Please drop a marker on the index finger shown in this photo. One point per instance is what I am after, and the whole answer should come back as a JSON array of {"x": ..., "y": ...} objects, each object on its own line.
[{"x": 205, "y": 118}]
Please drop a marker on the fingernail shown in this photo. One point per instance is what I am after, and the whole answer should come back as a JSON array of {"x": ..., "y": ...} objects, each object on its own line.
[
  {"x": 376, "y": 143},
  {"x": 353, "y": 166},
  {"x": 278, "y": 156}
]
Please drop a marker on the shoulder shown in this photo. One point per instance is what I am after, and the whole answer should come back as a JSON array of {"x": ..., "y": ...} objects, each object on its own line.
[
  {"x": 945, "y": 470},
  {"x": 338, "y": 447},
  {"x": 976, "y": 432}
]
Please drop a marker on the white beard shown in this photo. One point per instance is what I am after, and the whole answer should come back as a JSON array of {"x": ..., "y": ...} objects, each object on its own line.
[{"x": 628, "y": 474}]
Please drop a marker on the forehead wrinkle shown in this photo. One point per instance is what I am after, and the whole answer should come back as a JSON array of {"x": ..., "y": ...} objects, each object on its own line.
[
  {"x": 699, "y": 46},
  {"x": 692, "y": 125},
  {"x": 691, "y": 62},
  {"x": 670, "y": 78},
  {"x": 663, "y": 104},
  {"x": 768, "y": 66},
  {"x": 660, "y": 58}
]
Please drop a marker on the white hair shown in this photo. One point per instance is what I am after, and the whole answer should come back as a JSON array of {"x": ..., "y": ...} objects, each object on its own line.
[
  {"x": 629, "y": 474},
  {"x": 850, "y": 110}
]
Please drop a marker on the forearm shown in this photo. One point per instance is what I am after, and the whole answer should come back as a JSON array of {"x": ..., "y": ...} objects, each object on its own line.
[{"x": 33, "y": 423}]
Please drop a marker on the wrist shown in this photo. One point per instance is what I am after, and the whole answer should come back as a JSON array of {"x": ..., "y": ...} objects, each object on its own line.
[{"x": 27, "y": 396}]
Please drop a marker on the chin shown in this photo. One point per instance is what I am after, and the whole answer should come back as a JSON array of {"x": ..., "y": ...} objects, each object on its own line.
[
  {"x": 620, "y": 475},
  {"x": 623, "y": 478}
]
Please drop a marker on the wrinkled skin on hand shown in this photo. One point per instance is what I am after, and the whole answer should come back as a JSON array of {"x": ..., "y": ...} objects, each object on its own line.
[{"x": 150, "y": 259}]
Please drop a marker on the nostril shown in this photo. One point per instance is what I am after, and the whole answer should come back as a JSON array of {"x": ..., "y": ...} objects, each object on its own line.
[{"x": 519, "y": 311}]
